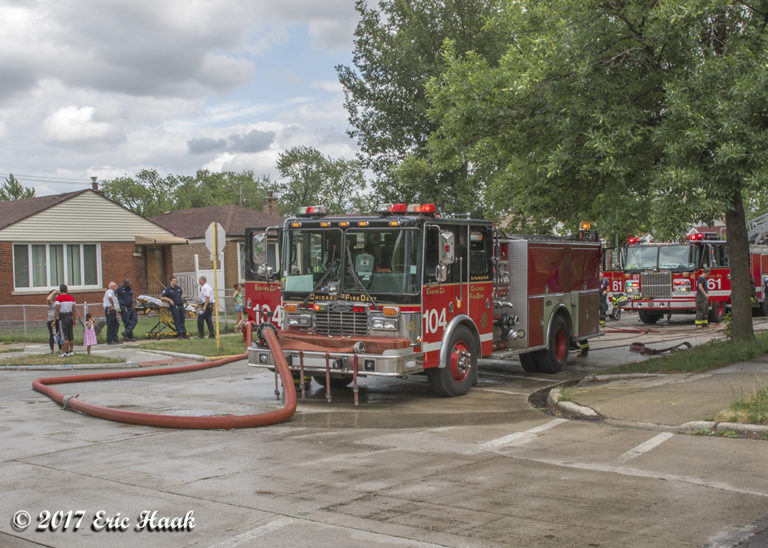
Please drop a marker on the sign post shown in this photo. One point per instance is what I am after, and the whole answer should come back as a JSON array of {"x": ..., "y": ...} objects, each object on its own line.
[{"x": 215, "y": 238}]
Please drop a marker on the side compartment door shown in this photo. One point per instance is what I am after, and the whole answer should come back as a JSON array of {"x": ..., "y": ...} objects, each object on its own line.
[{"x": 262, "y": 274}]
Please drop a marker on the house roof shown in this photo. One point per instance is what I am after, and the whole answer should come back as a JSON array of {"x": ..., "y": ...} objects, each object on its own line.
[
  {"x": 192, "y": 223},
  {"x": 14, "y": 211}
]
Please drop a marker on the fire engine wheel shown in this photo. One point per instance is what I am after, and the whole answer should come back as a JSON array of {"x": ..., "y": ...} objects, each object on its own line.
[
  {"x": 649, "y": 318},
  {"x": 336, "y": 382},
  {"x": 528, "y": 361},
  {"x": 459, "y": 373},
  {"x": 717, "y": 312},
  {"x": 554, "y": 358}
]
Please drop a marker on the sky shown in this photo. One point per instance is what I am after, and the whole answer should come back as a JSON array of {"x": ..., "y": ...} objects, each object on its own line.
[{"x": 105, "y": 89}]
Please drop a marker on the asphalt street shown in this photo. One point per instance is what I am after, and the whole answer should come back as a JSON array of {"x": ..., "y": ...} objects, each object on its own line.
[{"x": 402, "y": 468}]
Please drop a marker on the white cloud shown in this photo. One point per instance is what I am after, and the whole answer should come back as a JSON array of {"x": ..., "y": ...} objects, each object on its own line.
[
  {"x": 112, "y": 87},
  {"x": 73, "y": 124}
]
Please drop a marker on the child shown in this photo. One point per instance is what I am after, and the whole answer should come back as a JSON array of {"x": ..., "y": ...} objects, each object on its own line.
[
  {"x": 237, "y": 296},
  {"x": 89, "y": 335}
]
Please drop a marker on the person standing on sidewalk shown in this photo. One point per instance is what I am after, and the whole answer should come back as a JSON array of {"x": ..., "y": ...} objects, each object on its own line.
[
  {"x": 702, "y": 300},
  {"x": 172, "y": 295},
  {"x": 53, "y": 327},
  {"x": 110, "y": 313},
  {"x": 127, "y": 312},
  {"x": 66, "y": 313},
  {"x": 206, "y": 309}
]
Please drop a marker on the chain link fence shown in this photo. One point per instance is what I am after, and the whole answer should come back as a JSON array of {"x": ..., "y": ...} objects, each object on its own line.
[{"x": 26, "y": 322}]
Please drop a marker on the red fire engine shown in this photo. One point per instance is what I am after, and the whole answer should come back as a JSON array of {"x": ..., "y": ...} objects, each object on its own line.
[
  {"x": 408, "y": 291},
  {"x": 660, "y": 278}
]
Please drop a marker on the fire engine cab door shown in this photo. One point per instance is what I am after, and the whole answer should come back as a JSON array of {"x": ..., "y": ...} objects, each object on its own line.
[
  {"x": 462, "y": 287},
  {"x": 262, "y": 274}
]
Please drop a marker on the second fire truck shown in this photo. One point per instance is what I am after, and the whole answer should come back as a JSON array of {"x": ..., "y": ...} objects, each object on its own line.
[
  {"x": 660, "y": 278},
  {"x": 408, "y": 291}
]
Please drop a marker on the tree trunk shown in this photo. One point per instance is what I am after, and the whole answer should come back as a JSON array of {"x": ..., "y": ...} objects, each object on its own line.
[{"x": 738, "y": 253}]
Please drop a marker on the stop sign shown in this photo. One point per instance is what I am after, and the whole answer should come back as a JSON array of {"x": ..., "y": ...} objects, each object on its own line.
[{"x": 220, "y": 238}]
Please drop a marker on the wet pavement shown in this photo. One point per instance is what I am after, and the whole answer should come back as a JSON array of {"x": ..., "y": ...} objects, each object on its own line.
[{"x": 403, "y": 468}]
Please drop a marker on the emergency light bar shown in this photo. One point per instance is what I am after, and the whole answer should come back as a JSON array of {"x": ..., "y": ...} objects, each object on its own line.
[
  {"x": 695, "y": 237},
  {"x": 419, "y": 209},
  {"x": 311, "y": 211}
]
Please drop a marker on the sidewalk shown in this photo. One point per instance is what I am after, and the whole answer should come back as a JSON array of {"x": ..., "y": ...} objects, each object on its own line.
[
  {"x": 674, "y": 402},
  {"x": 133, "y": 356}
]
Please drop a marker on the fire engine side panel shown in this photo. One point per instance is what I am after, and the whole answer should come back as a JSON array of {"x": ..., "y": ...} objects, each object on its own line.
[
  {"x": 517, "y": 263},
  {"x": 439, "y": 308},
  {"x": 536, "y": 323},
  {"x": 262, "y": 301},
  {"x": 585, "y": 268},
  {"x": 480, "y": 310},
  {"x": 547, "y": 271},
  {"x": 718, "y": 285}
]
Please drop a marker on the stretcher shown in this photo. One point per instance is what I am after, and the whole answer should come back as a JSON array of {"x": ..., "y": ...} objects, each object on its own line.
[{"x": 164, "y": 327}]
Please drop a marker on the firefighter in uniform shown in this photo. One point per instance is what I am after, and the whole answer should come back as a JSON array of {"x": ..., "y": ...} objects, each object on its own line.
[
  {"x": 603, "y": 300},
  {"x": 172, "y": 295},
  {"x": 702, "y": 300}
]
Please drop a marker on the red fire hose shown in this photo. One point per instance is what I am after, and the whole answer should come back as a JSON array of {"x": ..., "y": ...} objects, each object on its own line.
[{"x": 177, "y": 421}]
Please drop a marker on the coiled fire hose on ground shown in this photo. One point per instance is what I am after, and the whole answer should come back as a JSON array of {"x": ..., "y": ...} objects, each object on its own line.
[{"x": 42, "y": 385}]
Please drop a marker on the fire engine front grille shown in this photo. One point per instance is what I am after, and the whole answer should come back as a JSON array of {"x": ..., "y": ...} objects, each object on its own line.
[
  {"x": 656, "y": 284},
  {"x": 341, "y": 323}
]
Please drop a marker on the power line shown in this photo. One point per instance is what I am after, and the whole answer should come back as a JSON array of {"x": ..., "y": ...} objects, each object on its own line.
[{"x": 46, "y": 179}]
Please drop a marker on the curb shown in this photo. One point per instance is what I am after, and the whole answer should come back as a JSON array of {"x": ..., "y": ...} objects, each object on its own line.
[
  {"x": 569, "y": 407},
  {"x": 583, "y": 412},
  {"x": 71, "y": 367},
  {"x": 618, "y": 377}
]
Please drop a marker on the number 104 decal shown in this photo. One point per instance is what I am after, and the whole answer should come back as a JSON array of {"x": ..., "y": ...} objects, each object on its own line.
[
  {"x": 434, "y": 321},
  {"x": 263, "y": 313}
]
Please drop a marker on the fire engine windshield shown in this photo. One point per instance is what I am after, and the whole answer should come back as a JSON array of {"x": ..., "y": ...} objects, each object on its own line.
[
  {"x": 677, "y": 257},
  {"x": 665, "y": 257},
  {"x": 365, "y": 260},
  {"x": 313, "y": 260},
  {"x": 383, "y": 260}
]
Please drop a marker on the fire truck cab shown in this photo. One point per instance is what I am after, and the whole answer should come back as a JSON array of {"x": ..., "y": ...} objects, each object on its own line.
[
  {"x": 408, "y": 291},
  {"x": 660, "y": 278}
]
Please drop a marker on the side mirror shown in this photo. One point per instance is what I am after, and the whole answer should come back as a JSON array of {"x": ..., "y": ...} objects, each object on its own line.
[
  {"x": 441, "y": 273},
  {"x": 446, "y": 254}
]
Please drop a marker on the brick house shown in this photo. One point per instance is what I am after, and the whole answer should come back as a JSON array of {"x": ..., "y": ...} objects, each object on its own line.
[
  {"x": 82, "y": 239},
  {"x": 194, "y": 259}
]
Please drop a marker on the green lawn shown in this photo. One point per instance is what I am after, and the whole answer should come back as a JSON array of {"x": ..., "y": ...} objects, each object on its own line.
[
  {"x": 699, "y": 358},
  {"x": 39, "y": 332},
  {"x": 54, "y": 359},
  {"x": 229, "y": 345}
]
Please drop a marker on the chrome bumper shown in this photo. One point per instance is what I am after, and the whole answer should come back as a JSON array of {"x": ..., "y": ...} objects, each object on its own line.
[{"x": 391, "y": 363}]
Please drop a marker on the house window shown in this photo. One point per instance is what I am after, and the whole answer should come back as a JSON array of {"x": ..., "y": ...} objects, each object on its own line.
[{"x": 50, "y": 265}]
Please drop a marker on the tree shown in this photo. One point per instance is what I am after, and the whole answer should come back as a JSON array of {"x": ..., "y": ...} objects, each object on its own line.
[
  {"x": 654, "y": 109},
  {"x": 149, "y": 194},
  {"x": 397, "y": 50},
  {"x": 313, "y": 178},
  {"x": 12, "y": 190}
]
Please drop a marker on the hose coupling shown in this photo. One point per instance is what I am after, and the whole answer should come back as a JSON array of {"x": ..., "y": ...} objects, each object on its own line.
[
  {"x": 65, "y": 400},
  {"x": 261, "y": 328}
]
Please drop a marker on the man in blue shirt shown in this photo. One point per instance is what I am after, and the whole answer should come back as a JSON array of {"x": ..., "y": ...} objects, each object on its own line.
[
  {"x": 127, "y": 311},
  {"x": 172, "y": 295}
]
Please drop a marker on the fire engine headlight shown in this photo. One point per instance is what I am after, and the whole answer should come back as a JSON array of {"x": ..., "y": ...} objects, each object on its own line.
[
  {"x": 681, "y": 286},
  {"x": 389, "y": 324},
  {"x": 298, "y": 320}
]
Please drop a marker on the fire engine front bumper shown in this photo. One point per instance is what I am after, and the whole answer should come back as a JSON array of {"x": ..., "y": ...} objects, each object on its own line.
[
  {"x": 671, "y": 304},
  {"x": 391, "y": 363}
]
